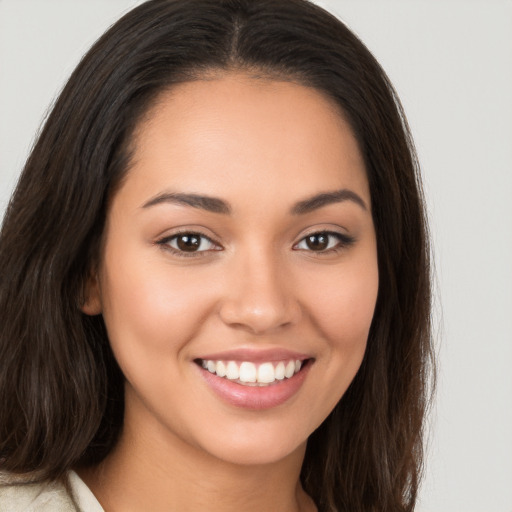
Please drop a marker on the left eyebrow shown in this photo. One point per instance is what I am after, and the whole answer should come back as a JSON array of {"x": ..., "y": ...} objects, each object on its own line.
[
  {"x": 208, "y": 203},
  {"x": 325, "y": 198}
]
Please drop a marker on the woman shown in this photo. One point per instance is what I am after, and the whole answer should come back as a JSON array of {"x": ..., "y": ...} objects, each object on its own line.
[{"x": 215, "y": 287}]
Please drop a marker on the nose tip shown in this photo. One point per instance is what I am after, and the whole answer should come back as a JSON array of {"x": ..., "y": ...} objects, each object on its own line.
[
  {"x": 255, "y": 318},
  {"x": 259, "y": 303}
]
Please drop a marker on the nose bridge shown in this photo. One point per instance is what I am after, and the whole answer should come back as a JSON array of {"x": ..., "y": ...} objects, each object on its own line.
[{"x": 259, "y": 298}]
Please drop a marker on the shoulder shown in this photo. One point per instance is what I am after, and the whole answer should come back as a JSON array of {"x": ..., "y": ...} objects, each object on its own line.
[{"x": 19, "y": 495}]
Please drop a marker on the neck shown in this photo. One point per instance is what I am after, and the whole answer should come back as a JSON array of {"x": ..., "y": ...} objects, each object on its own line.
[{"x": 145, "y": 473}]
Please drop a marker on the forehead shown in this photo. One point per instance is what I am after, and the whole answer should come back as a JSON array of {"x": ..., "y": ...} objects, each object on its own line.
[{"x": 235, "y": 134}]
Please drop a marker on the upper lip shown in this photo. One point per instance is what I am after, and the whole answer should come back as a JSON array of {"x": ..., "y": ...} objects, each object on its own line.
[{"x": 256, "y": 355}]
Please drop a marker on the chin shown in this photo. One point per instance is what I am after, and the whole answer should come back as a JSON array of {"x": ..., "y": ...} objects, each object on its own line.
[
  {"x": 251, "y": 455},
  {"x": 260, "y": 446}
]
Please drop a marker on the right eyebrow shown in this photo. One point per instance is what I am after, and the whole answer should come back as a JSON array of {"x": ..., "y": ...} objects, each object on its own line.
[
  {"x": 326, "y": 198},
  {"x": 208, "y": 203}
]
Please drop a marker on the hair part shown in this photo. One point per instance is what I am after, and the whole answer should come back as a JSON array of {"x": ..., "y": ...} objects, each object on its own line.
[{"x": 60, "y": 386}]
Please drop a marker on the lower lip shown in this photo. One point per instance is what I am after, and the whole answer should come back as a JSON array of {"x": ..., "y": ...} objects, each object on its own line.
[{"x": 255, "y": 397}]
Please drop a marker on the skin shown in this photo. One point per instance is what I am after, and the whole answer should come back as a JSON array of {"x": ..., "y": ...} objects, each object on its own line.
[{"x": 261, "y": 146}]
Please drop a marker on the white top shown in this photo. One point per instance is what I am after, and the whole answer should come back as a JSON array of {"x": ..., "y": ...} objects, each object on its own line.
[
  {"x": 84, "y": 497},
  {"x": 47, "y": 497}
]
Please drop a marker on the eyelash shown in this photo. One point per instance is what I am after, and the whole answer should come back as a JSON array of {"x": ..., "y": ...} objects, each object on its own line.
[
  {"x": 344, "y": 241},
  {"x": 165, "y": 243}
]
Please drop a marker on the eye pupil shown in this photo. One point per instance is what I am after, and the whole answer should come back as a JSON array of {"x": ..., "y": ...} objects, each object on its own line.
[
  {"x": 317, "y": 242},
  {"x": 188, "y": 243}
]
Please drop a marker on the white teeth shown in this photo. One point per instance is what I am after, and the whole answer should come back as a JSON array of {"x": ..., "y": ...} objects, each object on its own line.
[
  {"x": 290, "y": 369},
  {"x": 247, "y": 372},
  {"x": 221, "y": 369},
  {"x": 280, "y": 371},
  {"x": 232, "y": 372},
  {"x": 266, "y": 373}
]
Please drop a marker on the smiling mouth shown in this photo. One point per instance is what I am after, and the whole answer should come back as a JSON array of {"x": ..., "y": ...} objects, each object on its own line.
[{"x": 248, "y": 373}]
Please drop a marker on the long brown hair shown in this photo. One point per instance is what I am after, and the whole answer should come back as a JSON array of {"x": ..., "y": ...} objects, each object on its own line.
[{"x": 60, "y": 388}]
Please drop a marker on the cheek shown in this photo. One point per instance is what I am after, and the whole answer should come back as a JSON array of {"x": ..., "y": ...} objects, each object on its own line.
[
  {"x": 149, "y": 311},
  {"x": 343, "y": 304},
  {"x": 341, "y": 307}
]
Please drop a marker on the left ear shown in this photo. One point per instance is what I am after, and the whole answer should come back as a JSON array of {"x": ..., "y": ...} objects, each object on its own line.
[{"x": 91, "y": 302}]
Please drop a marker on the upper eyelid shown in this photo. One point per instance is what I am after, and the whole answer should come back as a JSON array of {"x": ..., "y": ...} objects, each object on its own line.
[
  {"x": 330, "y": 231},
  {"x": 327, "y": 228},
  {"x": 167, "y": 238},
  {"x": 341, "y": 236},
  {"x": 187, "y": 231}
]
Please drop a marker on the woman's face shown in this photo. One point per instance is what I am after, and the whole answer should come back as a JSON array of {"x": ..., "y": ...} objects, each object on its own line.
[{"x": 241, "y": 240}]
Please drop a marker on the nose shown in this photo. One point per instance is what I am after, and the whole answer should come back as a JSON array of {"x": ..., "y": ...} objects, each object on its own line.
[{"x": 259, "y": 296}]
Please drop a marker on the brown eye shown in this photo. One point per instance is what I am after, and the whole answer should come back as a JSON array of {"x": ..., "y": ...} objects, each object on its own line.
[
  {"x": 317, "y": 242},
  {"x": 324, "y": 242},
  {"x": 188, "y": 243}
]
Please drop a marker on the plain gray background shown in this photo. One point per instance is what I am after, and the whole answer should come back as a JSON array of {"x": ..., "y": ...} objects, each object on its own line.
[{"x": 451, "y": 62}]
